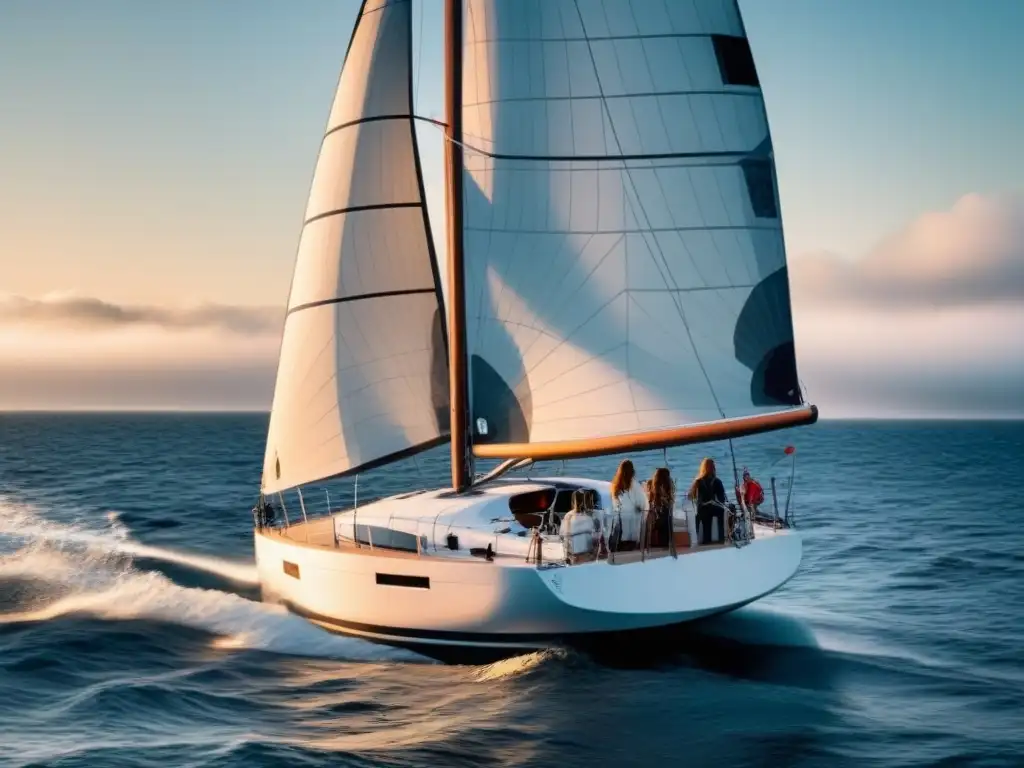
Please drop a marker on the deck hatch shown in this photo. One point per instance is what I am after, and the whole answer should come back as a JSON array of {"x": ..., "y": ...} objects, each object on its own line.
[{"x": 400, "y": 580}]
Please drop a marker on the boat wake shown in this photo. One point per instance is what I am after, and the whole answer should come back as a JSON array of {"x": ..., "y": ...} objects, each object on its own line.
[
  {"x": 51, "y": 570},
  {"x": 24, "y": 523},
  {"x": 516, "y": 666}
]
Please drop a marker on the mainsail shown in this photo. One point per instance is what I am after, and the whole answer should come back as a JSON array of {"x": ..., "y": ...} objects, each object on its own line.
[
  {"x": 362, "y": 377},
  {"x": 625, "y": 273}
]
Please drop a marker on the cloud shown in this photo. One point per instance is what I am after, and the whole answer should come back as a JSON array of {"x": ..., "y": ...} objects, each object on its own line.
[
  {"x": 965, "y": 361},
  {"x": 971, "y": 254},
  {"x": 140, "y": 365},
  {"x": 86, "y": 313},
  {"x": 930, "y": 323},
  {"x": 65, "y": 351}
]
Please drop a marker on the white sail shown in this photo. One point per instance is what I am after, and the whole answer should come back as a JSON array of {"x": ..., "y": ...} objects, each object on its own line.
[
  {"x": 362, "y": 376},
  {"x": 624, "y": 260}
]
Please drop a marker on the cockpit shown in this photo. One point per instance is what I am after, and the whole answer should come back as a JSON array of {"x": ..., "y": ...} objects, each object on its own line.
[{"x": 544, "y": 508}]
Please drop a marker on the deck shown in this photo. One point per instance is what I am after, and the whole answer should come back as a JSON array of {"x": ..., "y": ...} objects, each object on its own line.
[{"x": 318, "y": 533}]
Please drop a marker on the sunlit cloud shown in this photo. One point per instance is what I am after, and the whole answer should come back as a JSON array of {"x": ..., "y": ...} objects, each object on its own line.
[
  {"x": 66, "y": 351},
  {"x": 930, "y": 323},
  {"x": 971, "y": 254},
  {"x": 70, "y": 311}
]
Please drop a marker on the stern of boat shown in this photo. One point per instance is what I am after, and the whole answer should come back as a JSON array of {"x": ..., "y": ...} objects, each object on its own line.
[{"x": 651, "y": 591}]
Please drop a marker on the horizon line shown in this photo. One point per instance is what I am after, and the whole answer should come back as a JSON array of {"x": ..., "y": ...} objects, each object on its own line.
[{"x": 200, "y": 411}]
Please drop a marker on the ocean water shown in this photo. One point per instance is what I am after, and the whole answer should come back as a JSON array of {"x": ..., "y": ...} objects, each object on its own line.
[{"x": 131, "y": 631}]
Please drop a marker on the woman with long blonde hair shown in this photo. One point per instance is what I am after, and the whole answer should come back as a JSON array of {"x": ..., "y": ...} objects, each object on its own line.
[
  {"x": 629, "y": 503},
  {"x": 708, "y": 495}
]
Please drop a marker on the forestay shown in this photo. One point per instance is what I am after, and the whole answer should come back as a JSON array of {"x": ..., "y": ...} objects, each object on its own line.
[
  {"x": 625, "y": 267},
  {"x": 362, "y": 376}
]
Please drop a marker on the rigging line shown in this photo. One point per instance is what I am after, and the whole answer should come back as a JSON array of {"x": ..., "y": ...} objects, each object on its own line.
[
  {"x": 636, "y": 193},
  {"x": 735, "y": 472}
]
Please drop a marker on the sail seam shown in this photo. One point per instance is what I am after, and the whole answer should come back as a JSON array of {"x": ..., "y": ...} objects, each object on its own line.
[
  {"x": 360, "y": 297},
  {"x": 633, "y": 231},
  {"x": 648, "y": 94},
  {"x": 694, "y": 289},
  {"x": 660, "y": 36},
  {"x": 357, "y": 208}
]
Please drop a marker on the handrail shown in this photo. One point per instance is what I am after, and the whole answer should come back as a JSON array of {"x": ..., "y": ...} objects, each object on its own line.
[
  {"x": 302, "y": 505},
  {"x": 284, "y": 508},
  {"x": 775, "y": 505}
]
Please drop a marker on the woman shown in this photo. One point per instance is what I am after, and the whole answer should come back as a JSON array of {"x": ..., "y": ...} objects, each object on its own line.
[
  {"x": 578, "y": 530},
  {"x": 708, "y": 495},
  {"x": 661, "y": 499},
  {"x": 629, "y": 503}
]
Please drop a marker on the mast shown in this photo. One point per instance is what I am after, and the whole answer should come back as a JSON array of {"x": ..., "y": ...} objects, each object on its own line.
[{"x": 462, "y": 470}]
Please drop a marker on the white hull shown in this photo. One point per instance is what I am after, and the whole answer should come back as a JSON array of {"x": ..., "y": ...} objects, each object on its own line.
[{"x": 440, "y": 598}]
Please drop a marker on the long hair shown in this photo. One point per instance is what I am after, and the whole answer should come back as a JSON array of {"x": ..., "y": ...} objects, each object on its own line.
[
  {"x": 660, "y": 492},
  {"x": 707, "y": 472},
  {"x": 623, "y": 478},
  {"x": 582, "y": 501}
]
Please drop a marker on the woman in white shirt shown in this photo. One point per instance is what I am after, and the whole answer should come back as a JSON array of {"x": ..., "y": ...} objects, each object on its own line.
[
  {"x": 629, "y": 503},
  {"x": 578, "y": 529}
]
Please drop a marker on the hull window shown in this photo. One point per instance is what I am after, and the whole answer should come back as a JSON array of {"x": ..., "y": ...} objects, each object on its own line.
[
  {"x": 291, "y": 569},
  {"x": 385, "y": 538},
  {"x": 400, "y": 580}
]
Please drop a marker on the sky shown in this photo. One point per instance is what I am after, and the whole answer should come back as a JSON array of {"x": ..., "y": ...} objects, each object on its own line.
[{"x": 155, "y": 160}]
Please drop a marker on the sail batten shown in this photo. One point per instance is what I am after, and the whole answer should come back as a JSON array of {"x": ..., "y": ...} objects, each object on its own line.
[
  {"x": 625, "y": 267},
  {"x": 362, "y": 374},
  {"x": 608, "y": 158},
  {"x": 362, "y": 297}
]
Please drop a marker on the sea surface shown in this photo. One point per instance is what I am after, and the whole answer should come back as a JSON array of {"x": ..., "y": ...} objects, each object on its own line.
[{"x": 131, "y": 632}]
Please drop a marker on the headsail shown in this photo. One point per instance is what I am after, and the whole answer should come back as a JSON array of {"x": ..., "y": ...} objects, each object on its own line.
[
  {"x": 625, "y": 271},
  {"x": 362, "y": 376}
]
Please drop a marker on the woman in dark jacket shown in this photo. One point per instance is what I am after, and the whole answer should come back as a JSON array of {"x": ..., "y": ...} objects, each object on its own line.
[
  {"x": 660, "y": 502},
  {"x": 708, "y": 495}
]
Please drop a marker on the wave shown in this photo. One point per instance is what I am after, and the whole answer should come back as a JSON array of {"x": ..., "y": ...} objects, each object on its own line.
[
  {"x": 517, "y": 665},
  {"x": 237, "y": 622},
  {"x": 22, "y": 522},
  {"x": 81, "y": 573}
]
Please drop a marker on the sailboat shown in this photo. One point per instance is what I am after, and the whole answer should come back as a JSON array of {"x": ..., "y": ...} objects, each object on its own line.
[{"x": 615, "y": 282}]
